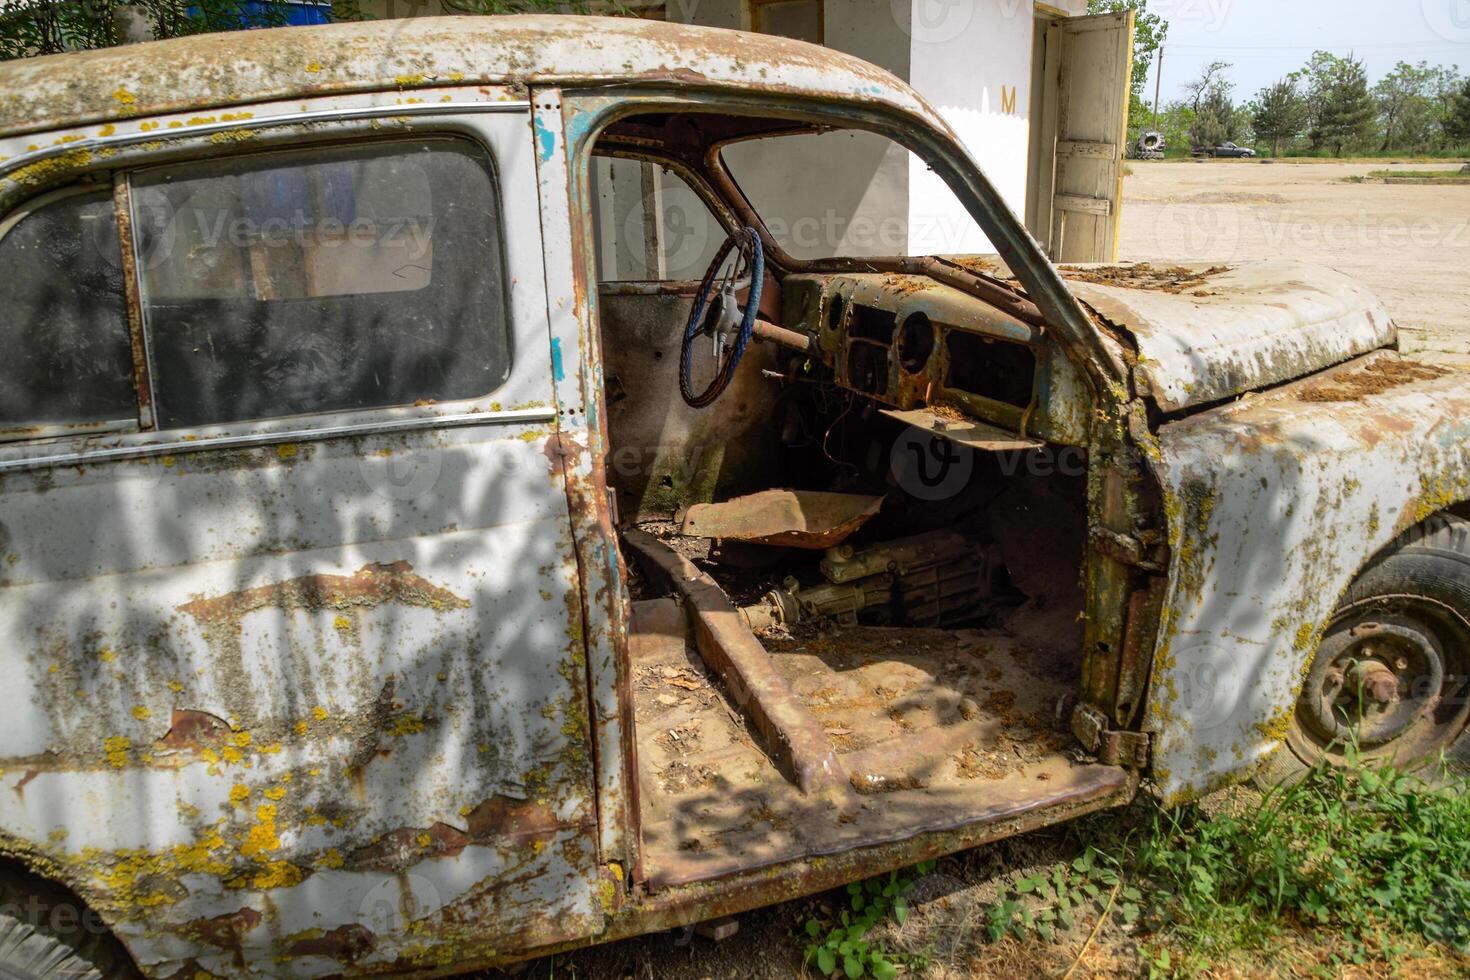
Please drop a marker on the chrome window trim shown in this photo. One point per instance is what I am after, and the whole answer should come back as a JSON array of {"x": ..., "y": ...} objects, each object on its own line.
[{"x": 255, "y": 440}]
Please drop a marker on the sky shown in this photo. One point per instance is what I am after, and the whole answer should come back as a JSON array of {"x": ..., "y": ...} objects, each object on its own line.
[{"x": 1265, "y": 39}]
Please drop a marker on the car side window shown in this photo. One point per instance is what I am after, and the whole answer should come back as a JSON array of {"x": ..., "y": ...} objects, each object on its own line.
[
  {"x": 68, "y": 358},
  {"x": 321, "y": 280}
]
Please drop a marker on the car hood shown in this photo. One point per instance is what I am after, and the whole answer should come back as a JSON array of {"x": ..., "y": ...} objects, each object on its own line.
[{"x": 1206, "y": 333}]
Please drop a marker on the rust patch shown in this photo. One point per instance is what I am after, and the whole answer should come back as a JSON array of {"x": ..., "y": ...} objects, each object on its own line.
[
  {"x": 345, "y": 944},
  {"x": 372, "y": 585},
  {"x": 791, "y": 518},
  {"x": 20, "y": 786},
  {"x": 1165, "y": 279},
  {"x": 190, "y": 729},
  {"x": 561, "y": 449},
  {"x": 1371, "y": 379},
  {"x": 501, "y": 816},
  {"x": 226, "y": 931},
  {"x": 398, "y": 850}
]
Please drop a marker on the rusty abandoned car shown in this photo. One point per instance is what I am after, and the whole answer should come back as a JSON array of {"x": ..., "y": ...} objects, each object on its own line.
[{"x": 416, "y": 556}]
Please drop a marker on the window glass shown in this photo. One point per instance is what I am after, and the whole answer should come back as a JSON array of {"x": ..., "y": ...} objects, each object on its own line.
[
  {"x": 65, "y": 328},
  {"x": 851, "y": 194},
  {"x": 322, "y": 280},
  {"x": 649, "y": 224}
]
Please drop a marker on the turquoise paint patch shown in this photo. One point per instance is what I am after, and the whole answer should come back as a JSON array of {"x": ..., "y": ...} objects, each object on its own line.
[
  {"x": 577, "y": 126},
  {"x": 557, "y": 373},
  {"x": 545, "y": 140}
]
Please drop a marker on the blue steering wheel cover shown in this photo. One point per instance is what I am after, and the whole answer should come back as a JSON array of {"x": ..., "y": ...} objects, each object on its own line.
[{"x": 747, "y": 324}]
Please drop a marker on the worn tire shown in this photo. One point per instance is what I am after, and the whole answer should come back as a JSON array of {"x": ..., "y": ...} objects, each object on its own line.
[
  {"x": 1419, "y": 586},
  {"x": 33, "y": 948}
]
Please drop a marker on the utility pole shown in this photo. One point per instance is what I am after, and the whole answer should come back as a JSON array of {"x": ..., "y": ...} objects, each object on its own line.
[{"x": 1158, "y": 85}]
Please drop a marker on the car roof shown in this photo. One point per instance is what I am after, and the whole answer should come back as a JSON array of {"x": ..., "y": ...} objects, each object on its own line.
[{"x": 209, "y": 71}]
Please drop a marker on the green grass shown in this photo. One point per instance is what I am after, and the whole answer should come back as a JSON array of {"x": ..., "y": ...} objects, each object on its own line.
[
  {"x": 1422, "y": 176},
  {"x": 1370, "y": 854},
  {"x": 1360, "y": 865},
  {"x": 1369, "y": 863},
  {"x": 1406, "y": 155}
]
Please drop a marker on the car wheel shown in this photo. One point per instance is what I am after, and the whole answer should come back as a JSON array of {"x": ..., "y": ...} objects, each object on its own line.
[
  {"x": 1392, "y": 673},
  {"x": 45, "y": 934}
]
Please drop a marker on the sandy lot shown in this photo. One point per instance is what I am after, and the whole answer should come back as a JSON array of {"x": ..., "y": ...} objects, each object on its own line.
[{"x": 1411, "y": 243}]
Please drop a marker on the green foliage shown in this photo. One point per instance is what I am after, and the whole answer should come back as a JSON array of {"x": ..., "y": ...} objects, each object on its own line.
[
  {"x": 843, "y": 945},
  {"x": 1149, "y": 32},
  {"x": 1366, "y": 856},
  {"x": 37, "y": 27},
  {"x": 1409, "y": 102},
  {"x": 1342, "y": 115},
  {"x": 1278, "y": 114},
  {"x": 1050, "y": 901},
  {"x": 1457, "y": 118},
  {"x": 1213, "y": 116},
  {"x": 1368, "y": 852}
]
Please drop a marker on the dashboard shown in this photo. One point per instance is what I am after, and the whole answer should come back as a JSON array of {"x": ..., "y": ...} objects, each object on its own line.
[{"x": 912, "y": 343}]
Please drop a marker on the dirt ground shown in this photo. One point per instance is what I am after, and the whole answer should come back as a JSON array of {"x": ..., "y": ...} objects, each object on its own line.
[{"x": 1410, "y": 242}]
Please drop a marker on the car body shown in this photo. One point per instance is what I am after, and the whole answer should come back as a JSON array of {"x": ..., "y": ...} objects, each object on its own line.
[
  {"x": 1227, "y": 150},
  {"x": 325, "y": 646}
]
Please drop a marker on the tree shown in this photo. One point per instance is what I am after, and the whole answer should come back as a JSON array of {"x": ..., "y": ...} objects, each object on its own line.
[
  {"x": 1406, "y": 108},
  {"x": 1279, "y": 114},
  {"x": 1149, "y": 32},
  {"x": 1457, "y": 122},
  {"x": 36, "y": 27},
  {"x": 1341, "y": 111},
  {"x": 1213, "y": 115}
]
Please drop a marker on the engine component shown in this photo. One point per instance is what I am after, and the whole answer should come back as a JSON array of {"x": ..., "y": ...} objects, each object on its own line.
[{"x": 932, "y": 579}]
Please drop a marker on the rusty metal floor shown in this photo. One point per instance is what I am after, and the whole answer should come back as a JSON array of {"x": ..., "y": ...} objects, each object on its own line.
[{"x": 931, "y": 730}]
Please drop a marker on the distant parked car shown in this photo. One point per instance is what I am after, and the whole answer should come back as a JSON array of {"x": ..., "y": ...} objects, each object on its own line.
[{"x": 1226, "y": 149}]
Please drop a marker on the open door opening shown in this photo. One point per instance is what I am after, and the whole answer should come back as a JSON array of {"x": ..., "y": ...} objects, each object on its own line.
[
  {"x": 1081, "y": 73},
  {"x": 855, "y": 580}
]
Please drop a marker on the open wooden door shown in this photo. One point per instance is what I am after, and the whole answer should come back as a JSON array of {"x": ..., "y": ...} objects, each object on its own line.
[{"x": 1077, "y": 184}]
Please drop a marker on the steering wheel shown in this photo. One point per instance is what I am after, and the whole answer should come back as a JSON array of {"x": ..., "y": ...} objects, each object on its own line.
[{"x": 717, "y": 314}]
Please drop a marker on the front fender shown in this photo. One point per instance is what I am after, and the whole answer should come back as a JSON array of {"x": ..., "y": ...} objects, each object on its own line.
[{"x": 1274, "y": 503}]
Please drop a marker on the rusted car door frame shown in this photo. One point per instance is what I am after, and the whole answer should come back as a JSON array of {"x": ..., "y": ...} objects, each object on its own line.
[
  {"x": 443, "y": 845},
  {"x": 567, "y": 122}
]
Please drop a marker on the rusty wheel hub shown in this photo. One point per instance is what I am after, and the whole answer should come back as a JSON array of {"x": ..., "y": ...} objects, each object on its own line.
[{"x": 1373, "y": 683}]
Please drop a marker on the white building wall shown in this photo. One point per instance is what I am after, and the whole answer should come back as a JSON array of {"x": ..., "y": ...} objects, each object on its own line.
[
  {"x": 972, "y": 61},
  {"x": 838, "y": 194}
]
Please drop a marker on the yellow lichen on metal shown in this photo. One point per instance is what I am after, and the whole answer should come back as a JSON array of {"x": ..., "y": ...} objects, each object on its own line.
[
  {"x": 116, "y": 750},
  {"x": 262, "y": 836}
]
